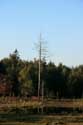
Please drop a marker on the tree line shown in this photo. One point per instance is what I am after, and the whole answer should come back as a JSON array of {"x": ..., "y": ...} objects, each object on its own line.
[{"x": 20, "y": 78}]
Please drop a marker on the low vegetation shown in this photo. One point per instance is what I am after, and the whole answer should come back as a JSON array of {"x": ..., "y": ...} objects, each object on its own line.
[{"x": 25, "y": 112}]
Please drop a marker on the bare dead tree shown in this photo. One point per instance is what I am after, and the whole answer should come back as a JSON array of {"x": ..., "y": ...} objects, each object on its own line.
[{"x": 41, "y": 48}]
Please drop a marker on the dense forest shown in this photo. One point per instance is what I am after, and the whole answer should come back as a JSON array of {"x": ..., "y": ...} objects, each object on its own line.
[{"x": 20, "y": 78}]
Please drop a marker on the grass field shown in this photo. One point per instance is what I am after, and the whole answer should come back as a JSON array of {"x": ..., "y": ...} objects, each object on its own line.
[
  {"x": 18, "y": 112},
  {"x": 43, "y": 120},
  {"x": 16, "y": 102}
]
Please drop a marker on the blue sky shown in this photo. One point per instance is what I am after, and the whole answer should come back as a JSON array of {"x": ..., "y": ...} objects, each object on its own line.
[{"x": 59, "y": 21}]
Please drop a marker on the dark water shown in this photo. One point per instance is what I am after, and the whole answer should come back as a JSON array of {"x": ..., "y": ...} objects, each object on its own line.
[{"x": 54, "y": 110}]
